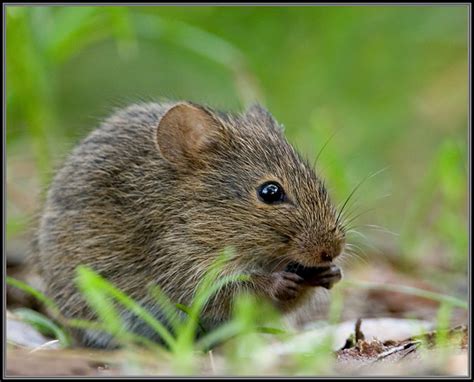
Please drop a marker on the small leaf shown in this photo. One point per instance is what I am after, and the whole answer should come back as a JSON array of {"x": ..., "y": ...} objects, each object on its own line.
[{"x": 45, "y": 325}]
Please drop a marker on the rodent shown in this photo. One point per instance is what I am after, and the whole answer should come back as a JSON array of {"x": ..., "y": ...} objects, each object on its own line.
[{"x": 155, "y": 193}]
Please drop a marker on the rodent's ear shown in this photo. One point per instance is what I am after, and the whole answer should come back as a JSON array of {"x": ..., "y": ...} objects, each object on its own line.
[
  {"x": 184, "y": 131},
  {"x": 258, "y": 113}
]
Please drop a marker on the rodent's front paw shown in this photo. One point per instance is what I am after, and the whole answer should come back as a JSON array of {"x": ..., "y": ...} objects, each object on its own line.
[
  {"x": 285, "y": 285},
  {"x": 325, "y": 276}
]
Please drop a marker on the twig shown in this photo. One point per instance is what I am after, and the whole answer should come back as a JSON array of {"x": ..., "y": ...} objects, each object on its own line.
[
  {"x": 408, "y": 345},
  {"x": 359, "y": 335},
  {"x": 211, "y": 358},
  {"x": 45, "y": 345}
]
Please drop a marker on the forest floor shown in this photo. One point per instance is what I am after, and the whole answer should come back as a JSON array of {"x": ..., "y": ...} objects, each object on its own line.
[{"x": 374, "y": 337}]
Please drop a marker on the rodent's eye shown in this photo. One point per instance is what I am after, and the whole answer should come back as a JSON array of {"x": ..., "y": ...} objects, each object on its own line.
[{"x": 271, "y": 193}]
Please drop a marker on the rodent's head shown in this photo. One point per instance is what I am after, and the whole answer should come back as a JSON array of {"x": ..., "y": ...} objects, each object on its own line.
[{"x": 243, "y": 185}]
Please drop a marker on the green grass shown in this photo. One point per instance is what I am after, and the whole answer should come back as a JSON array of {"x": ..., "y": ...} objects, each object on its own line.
[
  {"x": 44, "y": 325},
  {"x": 242, "y": 340}
]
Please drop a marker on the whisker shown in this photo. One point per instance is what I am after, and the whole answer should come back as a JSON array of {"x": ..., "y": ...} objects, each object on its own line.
[
  {"x": 351, "y": 255},
  {"x": 351, "y": 208},
  {"x": 324, "y": 146},
  {"x": 346, "y": 259},
  {"x": 355, "y": 189},
  {"x": 352, "y": 246},
  {"x": 349, "y": 213},
  {"x": 381, "y": 229},
  {"x": 358, "y": 251},
  {"x": 353, "y": 231},
  {"x": 356, "y": 200},
  {"x": 282, "y": 260},
  {"x": 346, "y": 223},
  {"x": 370, "y": 245}
]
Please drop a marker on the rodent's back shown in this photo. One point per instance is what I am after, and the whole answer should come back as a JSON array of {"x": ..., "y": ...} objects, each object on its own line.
[{"x": 98, "y": 210}]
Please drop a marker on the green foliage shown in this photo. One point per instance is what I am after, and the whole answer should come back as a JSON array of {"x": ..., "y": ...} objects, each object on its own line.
[
  {"x": 383, "y": 82},
  {"x": 443, "y": 320},
  {"x": 53, "y": 310},
  {"x": 45, "y": 325},
  {"x": 243, "y": 340},
  {"x": 102, "y": 295},
  {"x": 33, "y": 292},
  {"x": 99, "y": 292},
  {"x": 438, "y": 207}
]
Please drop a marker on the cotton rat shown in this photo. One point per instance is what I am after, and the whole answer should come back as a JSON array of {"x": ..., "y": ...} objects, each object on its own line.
[{"x": 153, "y": 196}]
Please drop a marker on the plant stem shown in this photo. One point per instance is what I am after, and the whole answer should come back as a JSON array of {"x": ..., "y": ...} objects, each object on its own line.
[{"x": 453, "y": 301}]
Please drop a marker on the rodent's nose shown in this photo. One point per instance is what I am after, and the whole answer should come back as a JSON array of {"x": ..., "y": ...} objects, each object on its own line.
[
  {"x": 326, "y": 256},
  {"x": 329, "y": 254}
]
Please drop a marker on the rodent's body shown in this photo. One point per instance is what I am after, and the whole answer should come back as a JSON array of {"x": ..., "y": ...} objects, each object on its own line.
[{"x": 155, "y": 194}]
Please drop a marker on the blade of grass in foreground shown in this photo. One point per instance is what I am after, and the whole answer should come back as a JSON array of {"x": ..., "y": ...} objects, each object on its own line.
[
  {"x": 220, "y": 334},
  {"x": 33, "y": 292},
  {"x": 93, "y": 284},
  {"x": 210, "y": 284},
  {"x": 185, "y": 339},
  {"x": 168, "y": 309},
  {"x": 44, "y": 325},
  {"x": 185, "y": 309},
  {"x": 97, "y": 298},
  {"x": 65, "y": 322}
]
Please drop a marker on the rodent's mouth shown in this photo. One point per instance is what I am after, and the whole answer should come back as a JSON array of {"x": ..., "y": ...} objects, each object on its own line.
[{"x": 324, "y": 276}]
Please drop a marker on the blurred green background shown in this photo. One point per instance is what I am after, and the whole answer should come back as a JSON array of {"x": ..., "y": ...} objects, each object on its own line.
[{"x": 388, "y": 85}]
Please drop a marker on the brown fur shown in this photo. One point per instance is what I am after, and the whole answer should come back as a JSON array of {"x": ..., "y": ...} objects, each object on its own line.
[{"x": 155, "y": 194}]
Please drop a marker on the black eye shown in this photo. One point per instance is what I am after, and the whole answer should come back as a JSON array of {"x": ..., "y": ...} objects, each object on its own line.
[{"x": 271, "y": 192}]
